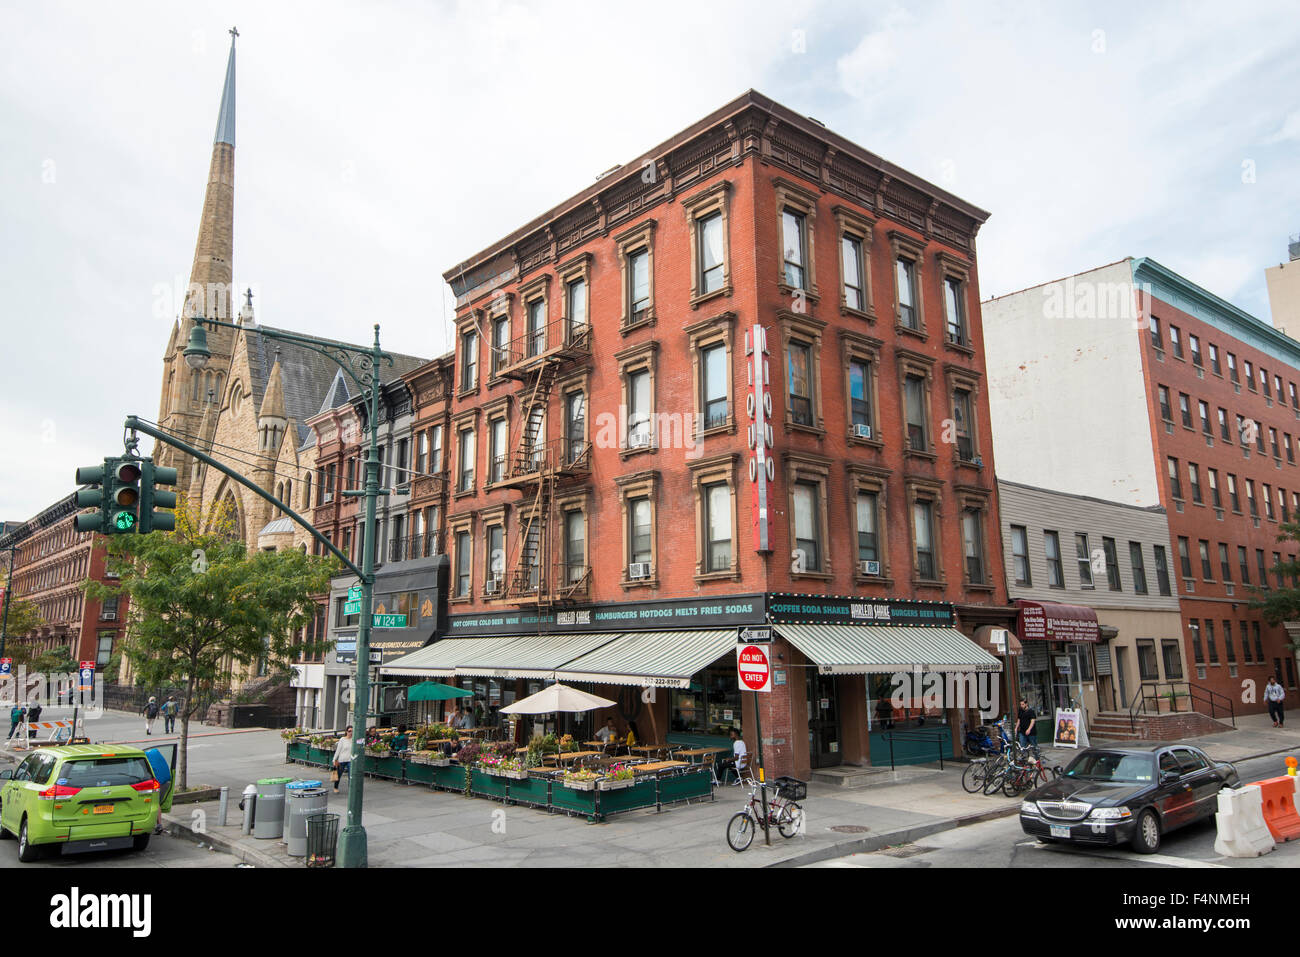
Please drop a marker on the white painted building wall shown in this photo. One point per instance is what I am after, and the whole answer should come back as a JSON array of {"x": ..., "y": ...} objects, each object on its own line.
[{"x": 1068, "y": 405}]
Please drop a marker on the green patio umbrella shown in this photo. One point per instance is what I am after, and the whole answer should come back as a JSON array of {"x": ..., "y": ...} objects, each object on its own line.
[{"x": 434, "y": 691}]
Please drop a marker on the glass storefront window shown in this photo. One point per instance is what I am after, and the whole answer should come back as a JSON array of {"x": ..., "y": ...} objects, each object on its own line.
[{"x": 711, "y": 705}]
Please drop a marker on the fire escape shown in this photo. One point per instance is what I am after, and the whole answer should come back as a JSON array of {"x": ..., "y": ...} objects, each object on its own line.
[{"x": 536, "y": 572}]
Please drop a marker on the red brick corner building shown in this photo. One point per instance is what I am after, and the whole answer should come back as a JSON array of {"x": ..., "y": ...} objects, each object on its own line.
[{"x": 604, "y": 522}]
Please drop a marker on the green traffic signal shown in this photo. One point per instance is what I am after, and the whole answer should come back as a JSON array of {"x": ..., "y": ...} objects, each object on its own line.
[
  {"x": 155, "y": 498},
  {"x": 93, "y": 496},
  {"x": 124, "y": 497}
]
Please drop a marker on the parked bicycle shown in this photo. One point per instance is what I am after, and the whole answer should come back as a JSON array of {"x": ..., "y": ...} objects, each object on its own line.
[
  {"x": 783, "y": 812},
  {"x": 991, "y": 751}
]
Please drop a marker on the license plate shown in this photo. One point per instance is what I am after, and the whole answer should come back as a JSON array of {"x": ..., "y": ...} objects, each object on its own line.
[
  {"x": 103, "y": 809},
  {"x": 1060, "y": 830}
]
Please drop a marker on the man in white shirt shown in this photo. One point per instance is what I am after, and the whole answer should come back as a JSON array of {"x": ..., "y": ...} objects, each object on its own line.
[
  {"x": 607, "y": 732},
  {"x": 1275, "y": 694},
  {"x": 739, "y": 756},
  {"x": 343, "y": 756}
]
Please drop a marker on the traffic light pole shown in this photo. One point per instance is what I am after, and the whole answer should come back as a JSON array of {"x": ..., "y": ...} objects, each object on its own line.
[{"x": 9, "y": 587}]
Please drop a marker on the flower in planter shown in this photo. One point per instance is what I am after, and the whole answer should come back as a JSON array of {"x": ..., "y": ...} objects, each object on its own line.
[
  {"x": 620, "y": 772},
  {"x": 581, "y": 775}
]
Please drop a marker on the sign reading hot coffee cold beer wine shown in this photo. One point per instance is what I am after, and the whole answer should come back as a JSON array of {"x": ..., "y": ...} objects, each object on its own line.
[{"x": 823, "y": 609}]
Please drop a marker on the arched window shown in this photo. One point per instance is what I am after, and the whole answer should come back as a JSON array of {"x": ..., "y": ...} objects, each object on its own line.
[
  {"x": 221, "y": 386},
  {"x": 208, "y": 394},
  {"x": 195, "y": 379},
  {"x": 288, "y": 492},
  {"x": 306, "y": 492},
  {"x": 279, "y": 493}
]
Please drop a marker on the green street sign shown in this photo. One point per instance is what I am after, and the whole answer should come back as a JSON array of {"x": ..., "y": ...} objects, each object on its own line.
[
  {"x": 388, "y": 621},
  {"x": 354, "y": 593},
  {"x": 352, "y": 607}
]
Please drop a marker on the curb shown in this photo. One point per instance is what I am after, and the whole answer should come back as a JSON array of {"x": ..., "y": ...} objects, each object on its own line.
[
  {"x": 904, "y": 836},
  {"x": 178, "y": 828}
]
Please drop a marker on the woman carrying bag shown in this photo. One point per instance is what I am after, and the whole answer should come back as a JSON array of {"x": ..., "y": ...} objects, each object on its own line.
[{"x": 342, "y": 756}]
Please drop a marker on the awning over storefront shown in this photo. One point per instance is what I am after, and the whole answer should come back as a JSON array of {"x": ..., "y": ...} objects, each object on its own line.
[
  {"x": 1049, "y": 621},
  {"x": 872, "y": 650},
  {"x": 664, "y": 659},
  {"x": 530, "y": 656},
  {"x": 440, "y": 658},
  {"x": 998, "y": 641}
]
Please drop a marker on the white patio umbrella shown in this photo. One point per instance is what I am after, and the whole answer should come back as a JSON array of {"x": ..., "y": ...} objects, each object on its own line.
[{"x": 557, "y": 697}]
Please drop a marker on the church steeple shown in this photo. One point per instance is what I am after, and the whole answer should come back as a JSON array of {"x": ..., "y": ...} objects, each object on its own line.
[{"x": 226, "y": 116}]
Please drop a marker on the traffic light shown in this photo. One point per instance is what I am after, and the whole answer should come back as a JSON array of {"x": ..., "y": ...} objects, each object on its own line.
[
  {"x": 153, "y": 497},
  {"x": 124, "y": 497},
  {"x": 93, "y": 497}
]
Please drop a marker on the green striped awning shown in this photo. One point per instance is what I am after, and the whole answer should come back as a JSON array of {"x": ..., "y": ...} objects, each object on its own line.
[
  {"x": 440, "y": 658},
  {"x": 880, "y": 649},
  {"x": 531, "y": 656},
  {"x": 665, "y": 659}
]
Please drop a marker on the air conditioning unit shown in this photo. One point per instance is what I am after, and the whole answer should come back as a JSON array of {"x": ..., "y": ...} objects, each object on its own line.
[
  {"x": 861, "y": 431},
  {"x": 491, "y": 586},
  {"x": 108, "y": 616},
  {"x": 638, "y": 570},
  {"x": 869, "y": 568},
  {"x": 638, "y": 440}
]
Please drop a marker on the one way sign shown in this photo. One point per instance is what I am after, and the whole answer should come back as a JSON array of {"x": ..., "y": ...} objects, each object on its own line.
[{"x": 755, "y": 633}]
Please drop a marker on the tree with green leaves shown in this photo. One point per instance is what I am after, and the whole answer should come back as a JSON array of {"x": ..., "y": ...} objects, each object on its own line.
[
  {"x": 1281, "y": 604},
  {"x": 204, "y": 609},
  {"x": 24, "y": 618}
]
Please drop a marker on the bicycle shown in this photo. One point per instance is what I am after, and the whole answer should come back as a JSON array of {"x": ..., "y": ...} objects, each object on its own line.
[
  {"x": 976, "y": 774},
  {"x": 783, "y": 812}
]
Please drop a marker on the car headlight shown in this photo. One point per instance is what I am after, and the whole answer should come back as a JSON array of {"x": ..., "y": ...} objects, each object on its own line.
[
  {"x": 1110, "y": 813},
  {"x": 1029, "y": 807}
]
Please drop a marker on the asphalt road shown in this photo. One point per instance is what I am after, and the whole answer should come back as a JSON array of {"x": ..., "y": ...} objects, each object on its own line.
[{"x": 1001, "y": 843}]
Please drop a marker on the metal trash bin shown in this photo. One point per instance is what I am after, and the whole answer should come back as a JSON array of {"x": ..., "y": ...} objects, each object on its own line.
[
  {"x": 268, "y": 816},
  {"x": 322, "y": 839},
  {"x": 303, "y": 799}
]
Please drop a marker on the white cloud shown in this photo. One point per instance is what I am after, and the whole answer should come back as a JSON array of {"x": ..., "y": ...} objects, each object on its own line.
[{"x": 1290, "y": 130}]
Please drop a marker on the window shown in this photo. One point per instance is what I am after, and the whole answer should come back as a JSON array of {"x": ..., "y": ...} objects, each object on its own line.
[
  {"x": 1207, "y": 572},
  {"x": 716, "y": 381},
  {"x": 1195, "y": 344},
  {"x": 1268, "y": 501},
  {"x": 104, "y": 649},
  {"x": 1232, "y": 493},
  {"x": 1250, "y": 375},
  {"x": 1259, "y": 436},
  {"x": 868, "y": 550},
  {"x": 575, "y": 426},
  {"x": 499, "y": 453},
  {"x": 798, "y": 361},
  {"x": 851, "y": 263},
  {"x": 636, "y": 261},
  {"x": 535, "y": 311},
  {"x": 1139, "y": 569},
  {"x": 639, "y": 532},
  {"x": 464, "y": 561},
  {"x": 905, "y": 279},
  {"x": 1214, "y": 359},
  {"x": 1210, "y": 646},
  {"x": 500, "y": 343},
  {"x": 973, "y": 545},
  {"x": 712, "y": 263},
  {"x": 465, "y": 461},
  {"x": 1225, "y": 566},
  {"x": 1173, "y": 659},
  {"x": 537, "y": 429},
  {"x": 961, "y": 416},
  {"x": 1295, "y": 397},
  {"x": 575, "y": 547},
  {"x": 954, "y": 311},
  {"x": 1020, "y": 554},
  {"x": 1146, "y": 653},
  {"x": 793, "y": 244},
  {"x": 1194, "y": 626},
  {"x": 1250, "y": 498},
  {"x": 496, "y": 559},
  {"x": 638, "y": 418},
  {"x": 1165, "y": 414},
  {"x": 1245, "y": 567},
  {"x": 1232, "y": 367},
  {"x": 1213, "y": 475},
  {"x": 1052, "y": 550},
  {"x": 422, "y": 452},
  {"x": 1112, "y": 563},
  {"x": 1230, "y": 651},
  {"x": 860, "y": 396},
  {"x": 923, "y": 534},
  {"x": 1084, "y": 558},
  {"x": 638, "y": 265},
  {"x": 1224, "y": 431},
  {"x": 1263, "y": 381},
  {"x": 1281, "y": 502},
  {"x": 1184, "y": 557},
  {"x": 1162, "y": 570},
  {"x": 1194, "y": 480},
  {"x": 1290, "y": 451},
  {"x": 1156, "y": 340},
  {"x": 435, "y": 449},
  {"x": 717, "y": 499},
  {"x": 1259, "y": 647},
  {"x": 807, "y": 530},
  {"x": 1263, "y": 568},
  {"x": 1176, "y": 341},
  {"x": 1175, "y": 486},
  {"x": 1185, "y": 408},
  {"x": 575, "y": 297},
  {"x": 914, "y": 394},
  {"x": 1277, "y": 572},
  {"x": 468, "y": 361},
  {"x": 1245, "y": 644},
  {"x": 1204, "y": 409}
]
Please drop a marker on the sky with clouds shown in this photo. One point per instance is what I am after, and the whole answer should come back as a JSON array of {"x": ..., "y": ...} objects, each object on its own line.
[{"x": 381, "y": 143}]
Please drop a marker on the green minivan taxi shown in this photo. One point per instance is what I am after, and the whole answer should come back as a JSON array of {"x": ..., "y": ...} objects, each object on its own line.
[{"x": 80, "y": 798}]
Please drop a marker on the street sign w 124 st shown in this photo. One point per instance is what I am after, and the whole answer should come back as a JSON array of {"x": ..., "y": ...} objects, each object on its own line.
[{"x": 388, "y": 621}]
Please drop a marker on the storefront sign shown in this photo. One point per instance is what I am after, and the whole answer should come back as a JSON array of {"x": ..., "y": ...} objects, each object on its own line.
[
  {"x": 694, "y": 613},
  {"x": 762, "y": 464},
  {"x": 753, "y": 668},
  {"x": 1048, "y": 621},
  {"x": 821, "y": 609}
]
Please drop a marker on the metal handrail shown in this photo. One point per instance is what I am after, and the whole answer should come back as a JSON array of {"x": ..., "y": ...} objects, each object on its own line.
[
  {"x": 917, "y": 734},
  {"x": 1193, "y": 693}
]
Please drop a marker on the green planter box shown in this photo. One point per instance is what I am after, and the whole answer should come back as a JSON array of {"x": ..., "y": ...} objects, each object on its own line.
[
  {"x": 389, "y": 766},
  {"x": 296, "y": 751},
  {"x": 419, "y": 773},
  {"x": 319, "y": 757},
  {"x": 639, "y": 795},
  {"x": 533, "y": 791},
  {"x": 685, "y": 787},
  {"x": 567, "y": 799},
  {"x": 450, "y": 778},
  {"x": 488, "y": 785}
]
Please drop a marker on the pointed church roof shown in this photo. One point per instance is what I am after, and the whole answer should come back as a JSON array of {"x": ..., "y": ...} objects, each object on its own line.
[
  {"x": 273, "y": 402},
  {"x": 226, "y": 115}
]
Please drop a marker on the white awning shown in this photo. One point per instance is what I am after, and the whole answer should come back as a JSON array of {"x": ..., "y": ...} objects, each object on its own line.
[
  {"x": 531, "y": 656},
  {"x": 873, "y": 650},
  {"x": 439, "y": 659},
  {"x": 665, "y": 659}
]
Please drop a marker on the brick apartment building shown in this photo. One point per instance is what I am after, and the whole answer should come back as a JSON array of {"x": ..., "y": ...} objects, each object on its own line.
[
  {"x": 51, "y": 560},
  {"x": 1133, "y": 384},
  {"x": 603, "y": 517}
]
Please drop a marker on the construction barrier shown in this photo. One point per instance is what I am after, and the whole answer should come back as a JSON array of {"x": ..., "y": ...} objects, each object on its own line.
[
  {"x": 1279, "y": 799},
  {"x": 58, "y": 731},
  {"x": 1240, "y": 820}
]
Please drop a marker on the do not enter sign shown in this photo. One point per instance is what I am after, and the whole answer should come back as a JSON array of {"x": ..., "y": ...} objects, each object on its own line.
[{"x": 753, "y": 668}]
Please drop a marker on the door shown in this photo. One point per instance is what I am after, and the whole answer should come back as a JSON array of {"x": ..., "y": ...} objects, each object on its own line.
[
  {"x": 1176, "y": 799},
  {"x": 1199, "y": 773},
  {"x": 1119, "y": 674},
  {"x": 824, "y": 743}
]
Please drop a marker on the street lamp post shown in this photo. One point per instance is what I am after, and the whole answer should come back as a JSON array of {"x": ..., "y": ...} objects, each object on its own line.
[
  {"x": 362, "y": 366},
  {"x": 9, "y": 587}
]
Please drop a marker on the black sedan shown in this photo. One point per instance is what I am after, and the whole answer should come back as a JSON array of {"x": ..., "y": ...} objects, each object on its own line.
[{"x": 1127, "y": 795}]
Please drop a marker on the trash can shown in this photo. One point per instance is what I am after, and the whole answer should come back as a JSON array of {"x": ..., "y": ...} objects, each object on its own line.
[
  {"x": 289, "y": 788},
  {"x": 303, "y": 799},
  {"x": 268, "y": 816},
  {"x": 322, "y": 839}
]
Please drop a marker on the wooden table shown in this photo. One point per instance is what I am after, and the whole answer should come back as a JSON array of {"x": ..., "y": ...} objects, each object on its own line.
[
  {"x": 573, "y": 755},
  {"x": 694, "y": 753},
  {"x": 649, "y": 749},
  {"x": 658, "y": 766}
]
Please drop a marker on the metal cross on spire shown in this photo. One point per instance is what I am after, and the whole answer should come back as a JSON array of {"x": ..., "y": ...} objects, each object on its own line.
[{"x": 233, "y": 32}]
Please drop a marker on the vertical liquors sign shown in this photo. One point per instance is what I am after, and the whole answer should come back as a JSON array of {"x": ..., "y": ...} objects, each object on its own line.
[{"x": 758, "y": 404}]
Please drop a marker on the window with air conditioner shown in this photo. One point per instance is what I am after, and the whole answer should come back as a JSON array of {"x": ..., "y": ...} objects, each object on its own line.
[{"x": 860, "y": 398}]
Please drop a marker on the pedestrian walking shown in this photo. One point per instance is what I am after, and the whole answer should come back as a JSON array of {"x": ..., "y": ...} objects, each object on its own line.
[
  {"x": 1275, "y": 694},
  {"x": 1026, "y": 720},
  {"x": 169, "y": 711},
  {"x": 16, "y": 715},
  {"x": 342, "y": 757},
  {"x": 150, "y": 714}
]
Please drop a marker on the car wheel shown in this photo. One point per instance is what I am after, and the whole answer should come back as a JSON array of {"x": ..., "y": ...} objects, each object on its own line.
[
  {"x": 141, "y": 841},
  {"x": 1146, "y": 839},
  {"x": 27, "y": 851}
]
